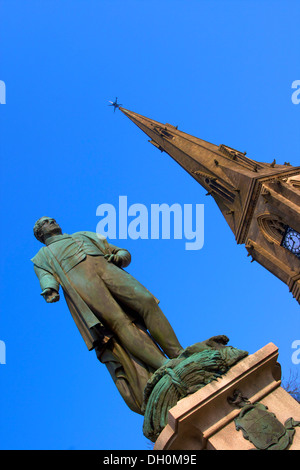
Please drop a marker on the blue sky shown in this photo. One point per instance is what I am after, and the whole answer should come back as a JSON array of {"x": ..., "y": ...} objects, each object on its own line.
[{"x": 220, "y": 70}]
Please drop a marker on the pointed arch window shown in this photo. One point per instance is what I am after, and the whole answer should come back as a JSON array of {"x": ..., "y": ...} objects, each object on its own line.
[
  {"x": 275, "y": 231},
  {"x": 272, "y": 228},
  {"x": 295, "y": 183}
]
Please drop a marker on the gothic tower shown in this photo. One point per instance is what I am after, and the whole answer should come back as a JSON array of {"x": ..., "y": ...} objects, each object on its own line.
[{"x": 260, "y": 201}]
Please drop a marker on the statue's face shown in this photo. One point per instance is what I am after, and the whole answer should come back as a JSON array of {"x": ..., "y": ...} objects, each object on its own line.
[{"x": 49, "y": 227}]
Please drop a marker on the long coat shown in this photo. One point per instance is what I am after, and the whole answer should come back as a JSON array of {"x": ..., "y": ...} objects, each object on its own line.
[
  {"x": 129, "y": 374},
  {"x": 51, "y": 274}
]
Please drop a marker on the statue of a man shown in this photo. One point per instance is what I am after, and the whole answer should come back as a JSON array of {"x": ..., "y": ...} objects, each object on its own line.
[{"x": 112, "y": 310}]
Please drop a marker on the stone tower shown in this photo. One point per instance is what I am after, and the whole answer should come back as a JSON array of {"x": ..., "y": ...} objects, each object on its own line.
[{"x": 260, "y": 201}]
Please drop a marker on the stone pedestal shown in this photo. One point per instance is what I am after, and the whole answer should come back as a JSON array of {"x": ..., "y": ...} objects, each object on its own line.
[{"x": 205, "y": 420}]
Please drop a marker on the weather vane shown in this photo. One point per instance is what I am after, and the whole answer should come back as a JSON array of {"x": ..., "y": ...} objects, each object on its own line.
[{"x": 115, "y": 104}]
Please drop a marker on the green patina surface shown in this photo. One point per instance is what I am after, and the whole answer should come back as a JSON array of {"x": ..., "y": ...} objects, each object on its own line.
[{"x": 196, "y": 367}]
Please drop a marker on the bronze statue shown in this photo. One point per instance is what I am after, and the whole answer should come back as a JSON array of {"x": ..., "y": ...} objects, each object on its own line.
[
  {"x": 115, "y": 314},
  {"x": 119, "y": 318}
]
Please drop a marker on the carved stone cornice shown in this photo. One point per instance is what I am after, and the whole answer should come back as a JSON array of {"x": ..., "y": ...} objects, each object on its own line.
[{"x": 254, "y": 195}]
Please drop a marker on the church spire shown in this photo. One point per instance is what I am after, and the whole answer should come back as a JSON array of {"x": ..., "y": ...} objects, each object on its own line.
[
  {"x": 260, "y": 201},
  {"x": 227, "y": 175}
]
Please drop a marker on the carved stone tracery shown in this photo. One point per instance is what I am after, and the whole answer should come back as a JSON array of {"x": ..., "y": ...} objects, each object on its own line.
[{"x": 272, "y": 228}]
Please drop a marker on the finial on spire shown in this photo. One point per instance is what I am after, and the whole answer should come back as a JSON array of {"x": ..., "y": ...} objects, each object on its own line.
[{"x": 115, "y": 104}]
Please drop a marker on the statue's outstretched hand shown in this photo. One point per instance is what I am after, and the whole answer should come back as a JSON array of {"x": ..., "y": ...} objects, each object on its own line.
[
  {"x": 50, "y": 295},
  {"x": 115, "y": 259}
]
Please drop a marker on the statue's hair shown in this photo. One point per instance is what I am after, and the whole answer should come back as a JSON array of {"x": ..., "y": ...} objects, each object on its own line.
[{"x": 37, "y": 229}]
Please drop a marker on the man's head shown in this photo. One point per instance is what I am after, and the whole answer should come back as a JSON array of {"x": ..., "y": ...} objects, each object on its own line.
[{"x": 46, "y": 227}]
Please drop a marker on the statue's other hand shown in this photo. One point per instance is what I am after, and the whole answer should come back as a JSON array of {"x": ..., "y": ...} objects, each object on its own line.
[
  {"x": 50, "y": 295},
  {"x": 115, "y": 259}
]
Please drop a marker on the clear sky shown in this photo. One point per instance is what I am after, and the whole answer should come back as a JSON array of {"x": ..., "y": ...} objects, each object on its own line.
[{"x": 220, "y": 70}]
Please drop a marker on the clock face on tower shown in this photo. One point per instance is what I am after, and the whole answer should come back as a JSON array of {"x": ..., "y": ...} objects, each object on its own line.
[{"x": 291, "y": 241}]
